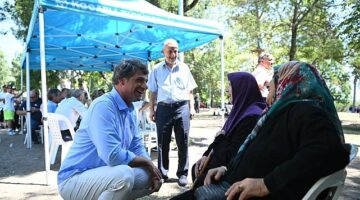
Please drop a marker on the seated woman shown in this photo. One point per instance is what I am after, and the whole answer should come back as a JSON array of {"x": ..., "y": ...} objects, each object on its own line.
[
  {"x": 295, "y": 143},
  {"x": 245, "y": 95}
]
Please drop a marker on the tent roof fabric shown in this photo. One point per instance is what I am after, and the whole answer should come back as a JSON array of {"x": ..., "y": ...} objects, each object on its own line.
[{"x": 94, "y": 35}]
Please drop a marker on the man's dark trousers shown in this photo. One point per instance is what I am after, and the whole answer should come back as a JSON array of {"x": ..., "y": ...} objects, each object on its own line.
[{"x": 175, "y": 115}]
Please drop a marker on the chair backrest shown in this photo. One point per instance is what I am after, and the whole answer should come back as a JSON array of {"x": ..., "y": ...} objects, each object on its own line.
[
  {"x": 54, "y": 127},
  {"x": 331, "y": 186},
  {"x": 333, "y": 182}
]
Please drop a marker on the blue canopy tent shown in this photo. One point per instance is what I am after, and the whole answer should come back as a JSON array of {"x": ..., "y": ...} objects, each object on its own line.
[{"x": 94, "y": 35}]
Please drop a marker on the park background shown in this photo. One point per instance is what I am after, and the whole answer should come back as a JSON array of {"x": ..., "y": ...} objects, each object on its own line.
[{"x": 322, "y": 32}]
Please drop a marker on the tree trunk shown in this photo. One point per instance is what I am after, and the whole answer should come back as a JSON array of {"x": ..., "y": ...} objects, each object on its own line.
[
  {"x": 294, "y": 29},
  {"x": 190, "y": 6},
  {"x": 354, "y": 97}
]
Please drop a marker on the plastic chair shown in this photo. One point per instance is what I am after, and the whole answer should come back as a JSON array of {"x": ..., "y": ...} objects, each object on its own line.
[
  {"x": 150, "y": 136},
  {"x": 56, "y": 138},
  {"x": 332, "y": 184}
]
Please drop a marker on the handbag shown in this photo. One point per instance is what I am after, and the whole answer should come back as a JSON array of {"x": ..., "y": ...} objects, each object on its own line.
[{"x": 212, "y": 192}]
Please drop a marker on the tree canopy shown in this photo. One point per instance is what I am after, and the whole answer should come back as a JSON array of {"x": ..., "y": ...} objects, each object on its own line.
[{"x": 321, "y": 32}]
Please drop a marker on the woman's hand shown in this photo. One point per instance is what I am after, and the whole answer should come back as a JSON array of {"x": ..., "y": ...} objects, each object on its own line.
[
  {"x": 247, "y": 188},
  {"x": 214, "y": 174},
  {"x": 199, "y": 165}
]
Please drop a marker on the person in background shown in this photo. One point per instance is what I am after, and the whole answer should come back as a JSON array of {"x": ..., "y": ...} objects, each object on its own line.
[
  {"x": 72, "y": 108},
  {"x": 97, "y": 93},
  {"x": 36, "y": 115},
  {"x": 248, "y": 103},
  {"x": 171, "y": 84},
  {"x": 17, "y": 104},
  {"x": 296, "y": 142},
  {"x": 9, "y": 108},
  {"x": 197, "y": 101},
  {"x": 65, "y": 93},
  {"x": 54, "y": 97},
  {"x": 263, "y": 73},
  {"x": 107, "y": 159}
]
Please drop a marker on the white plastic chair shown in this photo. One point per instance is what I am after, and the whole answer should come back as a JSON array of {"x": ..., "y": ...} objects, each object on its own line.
[
  {"x": 148, "y": 129},
  {"x": 56, "y": 138},
  {"x": 334, "y": 182},
  {"x": 150, "y": 136}
]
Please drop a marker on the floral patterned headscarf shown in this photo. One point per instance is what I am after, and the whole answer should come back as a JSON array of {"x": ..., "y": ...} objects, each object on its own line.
[
  {"x": 296, "y": 82},
  {"x": 301, "y": 82}
]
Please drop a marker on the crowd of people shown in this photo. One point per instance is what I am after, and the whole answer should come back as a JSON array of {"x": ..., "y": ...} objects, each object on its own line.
[
  {"x": 281, "y": 135},
  {"x": 68, "y": 102}
]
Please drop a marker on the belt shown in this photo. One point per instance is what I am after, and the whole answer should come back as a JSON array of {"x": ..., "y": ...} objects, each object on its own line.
[{"x": 173, "y": 105}]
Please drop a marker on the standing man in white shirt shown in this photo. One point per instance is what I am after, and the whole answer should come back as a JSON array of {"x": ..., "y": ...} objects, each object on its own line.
[
  {"x": 264, "y": 72},
  {"x": 72, "y": 108},
  {"x": 170, "y": 85}
]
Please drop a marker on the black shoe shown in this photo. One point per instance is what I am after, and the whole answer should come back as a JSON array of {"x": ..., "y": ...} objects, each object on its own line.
[
  {"x": 183, "y": 181},
  {"x": 165, "y": 177},
  {"x": 36, "y": 142}
]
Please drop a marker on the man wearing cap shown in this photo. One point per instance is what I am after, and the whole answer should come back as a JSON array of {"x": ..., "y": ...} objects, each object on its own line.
[{"x": 263, "y": 73}]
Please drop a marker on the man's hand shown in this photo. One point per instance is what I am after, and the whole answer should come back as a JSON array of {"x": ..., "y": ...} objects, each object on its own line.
[
  {"x": 156, "y": 180},
  {"x": 155, "y": 174},
  {"x": 192, "y": 116},
  {"x": 156, "y": 185},
  {"x": 247, "y": 188},
  {"x": 199, "y": 165},
  {"x": 152, "y": 115},
  {"x": 214, "y": 174}
]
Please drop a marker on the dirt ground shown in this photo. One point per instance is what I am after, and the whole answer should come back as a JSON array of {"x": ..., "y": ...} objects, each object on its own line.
[{"x": 22, "y": 170}]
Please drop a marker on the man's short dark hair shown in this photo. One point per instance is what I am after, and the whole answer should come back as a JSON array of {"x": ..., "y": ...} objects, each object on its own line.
[
  {"x": 52, "y": 93},
  {"x": 127, "y": 69}
]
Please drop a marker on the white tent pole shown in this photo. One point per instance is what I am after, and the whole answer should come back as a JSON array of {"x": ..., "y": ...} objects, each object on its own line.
[
  {"x": 181, "y": 12},
  {"x": 21, "y": 79},
  {"x": 28, "y": 109},
  {"x": 222, "y": 80},
  {"x": 44, "y": 92},
  {"x": 21, "y": 89}
]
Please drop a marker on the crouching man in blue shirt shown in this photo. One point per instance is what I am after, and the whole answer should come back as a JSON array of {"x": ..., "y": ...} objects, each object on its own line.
[{"x": 107, "y": 159}]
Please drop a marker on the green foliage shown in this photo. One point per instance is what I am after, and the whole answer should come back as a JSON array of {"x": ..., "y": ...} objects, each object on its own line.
[
  {"x": 4, "y": 70},
  {"x": 21, "y": 13},
  {"x": 350, "y": 25},
  {"x": 172, "y": 5},
  {"x": 337, "y": 80},
  {"x": 302, "y": 30}
]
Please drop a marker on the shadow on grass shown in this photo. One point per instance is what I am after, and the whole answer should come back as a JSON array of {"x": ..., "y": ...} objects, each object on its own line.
[{"x": 197, "y": 142}]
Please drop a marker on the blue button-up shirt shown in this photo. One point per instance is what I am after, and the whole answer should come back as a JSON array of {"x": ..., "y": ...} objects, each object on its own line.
[
  {"x": 108, "y": 135},
  {"x": 51, "y": 106}
]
